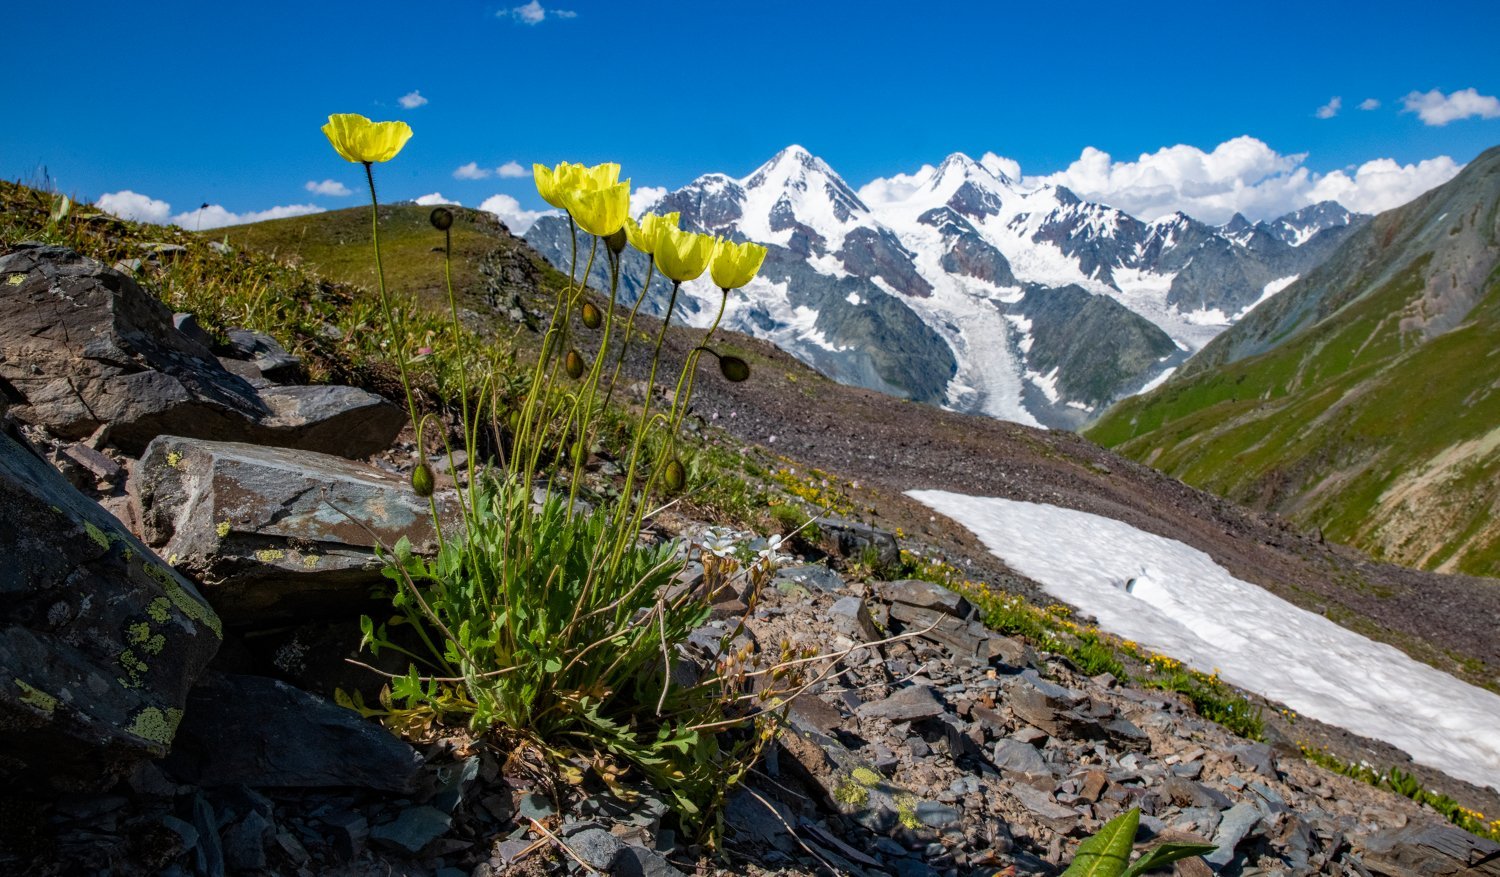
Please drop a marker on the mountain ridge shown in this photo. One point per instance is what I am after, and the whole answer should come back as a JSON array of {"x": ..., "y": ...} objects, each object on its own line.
[
  {"x": 1362, "y": 399},
  {"x": 942, "y": 270}
]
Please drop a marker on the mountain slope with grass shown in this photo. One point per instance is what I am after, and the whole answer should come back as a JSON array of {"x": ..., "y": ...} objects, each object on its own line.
[
  {"x": 1365, "y": 398},
  {"x": 871, "y": 450}
]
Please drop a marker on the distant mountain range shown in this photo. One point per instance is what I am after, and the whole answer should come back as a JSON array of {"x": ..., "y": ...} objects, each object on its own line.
[
  {"x": 971, "y": 291},
  {"x": 1364, "y": 398}
]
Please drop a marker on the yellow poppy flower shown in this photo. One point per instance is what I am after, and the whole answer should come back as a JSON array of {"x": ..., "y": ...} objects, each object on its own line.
[
  {"x": 734, "y": 265},
  {"x": 682, "y": 255},
  {"x": 360, "y": 140},
  {"x": 551, "y": 183},
  {"x": 601, "y": 176},
  {"x": 599, "y": 211},
  {"x": 642, "y": 235}
]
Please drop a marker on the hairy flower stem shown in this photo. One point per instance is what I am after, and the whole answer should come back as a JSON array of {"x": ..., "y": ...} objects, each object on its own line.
[
  {"x": 629, "y": 331},
  {"x": 690, "y": 369},
  {"x": 586, "y": 411},
  {"x": 627, "y": 514}
]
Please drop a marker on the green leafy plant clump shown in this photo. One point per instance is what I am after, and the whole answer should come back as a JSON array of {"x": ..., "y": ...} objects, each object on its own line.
[
  {"x": 1107, "y": 852},
  {"x": 543, "y": 614},
  {"x": 1403, "y": 783}
]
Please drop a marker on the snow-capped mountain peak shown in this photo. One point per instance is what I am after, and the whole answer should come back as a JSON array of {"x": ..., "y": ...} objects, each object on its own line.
[
  {"x": 798, "y": 192},
  {"x": 954, "y": 285}
]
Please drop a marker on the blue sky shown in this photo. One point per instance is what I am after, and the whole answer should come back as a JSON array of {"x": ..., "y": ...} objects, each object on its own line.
[{"x": 221, "y": 103}]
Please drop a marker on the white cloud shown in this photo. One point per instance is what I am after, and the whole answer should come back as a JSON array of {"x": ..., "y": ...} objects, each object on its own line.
[
  {"x": 999, "y": 165},
  {"x": 471, "y": 171},
  {"x": 645, "y": 197},
  {"x": 1383, "y": 183},
  {"x": 509, "y": 210},
  {"x": 143, "y": 208},
  {"x": 889, "y": 190},
  {"x": 433, "y": 199},
  {"x": 512, "y": 170},
  {"x": 135, "y": 206},
  {"x": 535, "y": 13},
  {"x": 1242, "y": 175},
  {"x": 215, "y": 216},
  {"x": 412, "y": 100},
  {"x": 331, "y": 188},
  {"x": 1437, "y": 109},
  {"x": 1330, "y": 109},
  {"x": 1369, "y": 103}
]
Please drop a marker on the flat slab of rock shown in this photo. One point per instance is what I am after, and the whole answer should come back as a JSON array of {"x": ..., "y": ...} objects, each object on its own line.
[
  {"x": 905, "y": 705},
  {"x": 263, "y": 733},
  {"x": 277, "y": 534},
  {"x": 1432, "y": 849},
  {"x": 99, "y": 639}
]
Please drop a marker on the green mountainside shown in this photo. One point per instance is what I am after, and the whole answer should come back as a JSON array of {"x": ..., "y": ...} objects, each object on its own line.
[{"x": 1365, "y": 398}]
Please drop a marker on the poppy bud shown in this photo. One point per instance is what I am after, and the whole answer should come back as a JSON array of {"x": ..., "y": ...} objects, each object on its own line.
[
  {"x": 441, "y": 218},
  {"x": 573, "y": 363},
  {"x": 591, "y": 315},
  {"x": 734, "y": 369},
  {"x": 675, "y": 475},
  {"x": 616, "y": 241},
  {"x": 422, "y": 481}
]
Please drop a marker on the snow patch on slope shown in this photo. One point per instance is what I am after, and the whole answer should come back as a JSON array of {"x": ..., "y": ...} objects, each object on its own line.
[{"x": 1181, "y": 603}]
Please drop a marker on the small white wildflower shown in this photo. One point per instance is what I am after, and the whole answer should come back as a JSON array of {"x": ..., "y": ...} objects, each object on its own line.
[{"x": 718, "y": 544}]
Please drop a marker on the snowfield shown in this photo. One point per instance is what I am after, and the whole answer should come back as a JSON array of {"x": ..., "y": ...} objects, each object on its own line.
[{"x": 1181, "y": 603}]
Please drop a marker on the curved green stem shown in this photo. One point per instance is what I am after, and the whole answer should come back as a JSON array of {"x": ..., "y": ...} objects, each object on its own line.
[{"x": 385, "y": 301}]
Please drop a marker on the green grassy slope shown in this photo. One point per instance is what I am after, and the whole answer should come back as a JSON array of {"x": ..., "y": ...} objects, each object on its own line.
[{"x": 1365, "y": 399}]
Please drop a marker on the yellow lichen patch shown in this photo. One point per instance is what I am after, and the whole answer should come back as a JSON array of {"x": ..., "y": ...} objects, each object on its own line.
[
  {"x": 174, "y": 459},
  {"x": 270, "y": 555},
  {"x": 222, "y": 529},
  {"x": 865, "y": 777},
  {"x": 138, "y": 632},
  {"x": 154, "y": 645},
  {"x": 35, "y": 697},
  {"x": 158, "y": 609},
  {"x": 185, "y": 604},
  {"x": 134, "y": 669},
  {"x": 310, "y": 561},
  {"x": 156, "y": 725},
  {"x": 96, "y": 534}
]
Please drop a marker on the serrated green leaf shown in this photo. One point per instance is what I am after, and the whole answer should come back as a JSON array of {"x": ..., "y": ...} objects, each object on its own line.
[
  {"x": 1108, "y": 852},
  {"x": 1166, "y": 854}
]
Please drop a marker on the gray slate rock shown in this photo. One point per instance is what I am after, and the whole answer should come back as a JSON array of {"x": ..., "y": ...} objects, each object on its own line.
[
  {"x": 99, "y": 640},
  {"x": 262, "y": 733},
  {"x": 414, "y": 829},
  {"x": 1022, "y": 758},
  {"x": 851, "y": 617},
  {"x": 1432, "y": 849},
  {"x": 905, "y": 705},
  {"x": 265, "y": 353},
  {"x": 263, "y": 525},
  {"x": 84, "y": 346},
  {"x": 926, "y": 595},
  {"x": 597, "y": 847},
  {"x": 1236, "y": 824},
  {"x": 856, "y": 540},
  {"x": 328, "y": 419},
  {"x": 636, "y": 861}
]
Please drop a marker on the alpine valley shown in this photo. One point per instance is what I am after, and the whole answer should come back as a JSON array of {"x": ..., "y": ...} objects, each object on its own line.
[{"x": 964, "y": 288}]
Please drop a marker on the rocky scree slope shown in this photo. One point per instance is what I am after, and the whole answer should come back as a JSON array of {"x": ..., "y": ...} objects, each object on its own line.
[
  {"x": 1365, "y": 398},
  {"x": 966, "y": 289}
]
